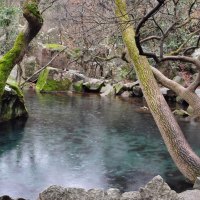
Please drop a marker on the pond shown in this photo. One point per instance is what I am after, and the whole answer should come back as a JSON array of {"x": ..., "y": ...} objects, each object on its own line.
[{"x": 85, "y": 141}]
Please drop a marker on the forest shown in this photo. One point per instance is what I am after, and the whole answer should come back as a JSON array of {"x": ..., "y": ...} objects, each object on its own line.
[{"x": 100, "y": 99}]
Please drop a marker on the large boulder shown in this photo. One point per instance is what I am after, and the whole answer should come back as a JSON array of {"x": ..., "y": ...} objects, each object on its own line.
[
  {"x": 53, "y": 80},
  {"x": 12, "y": 105}
]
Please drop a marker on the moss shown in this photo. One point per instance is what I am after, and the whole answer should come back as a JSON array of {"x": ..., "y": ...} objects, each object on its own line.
[
  {"x": 78, "y": 86},
  {"x": 13, "y": 84},
  {"x": 32, "y": 8},
  {"x": 46, "y": 83},
  {"x": 54, "y": 47},
  {"x": 8, "y": 61}
]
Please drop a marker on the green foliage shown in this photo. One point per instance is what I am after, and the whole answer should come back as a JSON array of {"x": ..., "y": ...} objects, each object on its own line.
[{"x": 9, "y": 16}]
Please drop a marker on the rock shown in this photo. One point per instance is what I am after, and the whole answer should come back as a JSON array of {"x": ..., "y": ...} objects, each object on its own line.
[
  {"x": 126, "y": 94},
  {"x": 197, "y": 184},
  {"x": 78, "y": 86},
  {"x": 190, "y": 195},
  {"x": 75, "y": 194},
  {"x": 157, "y": 189},
  {"x": 108, "y": 90},
  {"x": 96, "y": 194},
  {"x": 137, "y": 91},
  {"x": 12, "y": 105},
  {"x": 93, "y": 85},
  {"x": 130, "y": 196},
  {"x": 113, "y": 194},
  {"x": 75, "y": 76},
  {"x": 181, "y": 113},
  {"x": 129, "y": 86},
  {"x": 53, "y": 80},
  {"x": 53, "y": 193},
  {"x": 119, "y": 88},
  {"x": 5, "y": 197},
  {"x": 29, "y": 66}
]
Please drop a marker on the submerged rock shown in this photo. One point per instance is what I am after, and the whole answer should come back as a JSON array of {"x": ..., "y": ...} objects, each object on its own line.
[{"x": 12, "y": 105}]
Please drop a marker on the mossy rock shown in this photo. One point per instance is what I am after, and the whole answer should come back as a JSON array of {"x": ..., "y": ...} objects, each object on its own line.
[
  {"x": 78, "y": 86},
  {"x": 93, "y": 85},
  {"x": 51, "y": 80},
  {"x": 119, "y": 88},
  {"x": 12, "y": 104}
]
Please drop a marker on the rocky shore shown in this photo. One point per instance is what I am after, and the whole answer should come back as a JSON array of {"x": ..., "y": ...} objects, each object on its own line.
[{"x": 156, "y": 189}]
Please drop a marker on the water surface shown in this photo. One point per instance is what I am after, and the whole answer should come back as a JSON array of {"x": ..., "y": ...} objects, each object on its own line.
[{"x": 84, "y": 141}]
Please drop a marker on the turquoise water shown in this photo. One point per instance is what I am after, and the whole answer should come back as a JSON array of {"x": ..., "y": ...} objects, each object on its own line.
[{"x": 84, "y": 141}]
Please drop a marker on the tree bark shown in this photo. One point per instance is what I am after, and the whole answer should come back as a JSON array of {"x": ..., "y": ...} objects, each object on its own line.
[
  {"x": 182, "y": 154},
  {"x": 188, "y": 95},
  {"x": 16, "y": 54}
]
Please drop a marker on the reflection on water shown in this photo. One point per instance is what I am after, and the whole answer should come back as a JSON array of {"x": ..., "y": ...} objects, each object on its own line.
[{"x": 84, "y": 141}]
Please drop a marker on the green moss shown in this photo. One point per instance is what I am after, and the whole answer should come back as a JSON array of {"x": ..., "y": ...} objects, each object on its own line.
[
  {"x": 78, "y": 86},
  {"x": 54, "y": 47},
  {"x": 8, "y": 61},
  {"x": 46, "y": 83},
  {"x": 32, "y": 8},
  {"x": 13, "y": 84}
]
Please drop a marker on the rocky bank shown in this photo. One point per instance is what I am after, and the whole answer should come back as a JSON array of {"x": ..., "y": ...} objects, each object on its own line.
[{"x": 156, "y": 189}]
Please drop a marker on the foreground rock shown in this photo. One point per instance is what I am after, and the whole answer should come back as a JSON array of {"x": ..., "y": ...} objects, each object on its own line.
[
  {"x": 12, "y": 105},
  {"x": 156, "y": 189},
  {"x": 190, "y": 195}
]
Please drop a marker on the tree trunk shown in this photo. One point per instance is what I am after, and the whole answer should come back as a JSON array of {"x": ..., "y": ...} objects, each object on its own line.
[
  {"x": 16, "y": 54},
  {"x": 182, "y": 154}
]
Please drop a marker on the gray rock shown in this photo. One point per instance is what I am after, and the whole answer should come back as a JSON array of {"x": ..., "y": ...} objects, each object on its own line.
[
  {"x": 94, "y": 85},
  {"x": 113, "y": 194},
  {"x": 130, "y": 196},
  {"x": 96, "y": 194},
  {"x": 5, "y": 197},
  {"x": 126, "y": 94},
  {"x": 75, "y": 194},
  {"x": 129, "y": 86},
  {"x": 108, "y": 90},
  {"x": 137, "y": 91},
  {"x": 190, "y": 195},
  {"x": 157, "y": 189},
  {"x": 197, "y": 184},
  {"x": 53, "y": 193}
]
